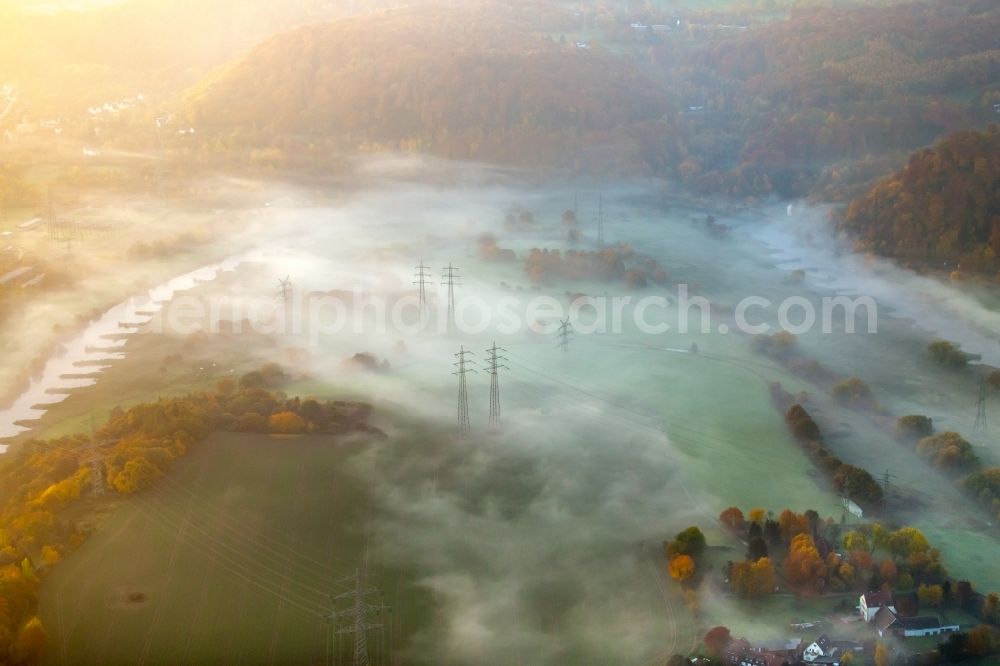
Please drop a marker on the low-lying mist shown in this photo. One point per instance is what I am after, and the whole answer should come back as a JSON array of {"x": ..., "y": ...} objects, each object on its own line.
[{"x": 541, "y": 540}]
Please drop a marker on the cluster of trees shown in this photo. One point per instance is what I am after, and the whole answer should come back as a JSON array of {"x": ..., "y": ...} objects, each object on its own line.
[
  {"x": 976, "y": 643},
  {"x": 809, "y": 562},
  {"x": 948, "y": 451},
  {"x": 817, "y": 556},
  {"x": 901, "y": 559},
  {"x": 853, "y": 392},
  {"x": 683, "y": 554},
  {"x": 716, "y": 640},
  {"x": 984, "y": 486},
  {"x": 43, "y": 515},
  {"x": 856, "y": 482},
  {"x": 22, "y": 636},
  {"x": 490, "y": 250},
  {"x": 812, "y": 565},
  {"x": 947, "y": 354},
  {"x": 778, "y": 345},
  {"x": 754, "y": 576},
  {"x": 806, "y": 568},
  {"x": 940, "y": 209},
  {"x": 783, "y": 347},
  {"x": 914, "y": 427},
  {"x": 617, "y": 263},
  {"x": 952, "y": 453}
]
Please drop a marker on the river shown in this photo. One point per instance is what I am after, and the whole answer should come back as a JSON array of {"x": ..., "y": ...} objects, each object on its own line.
[{"x": 102, "y": 341}]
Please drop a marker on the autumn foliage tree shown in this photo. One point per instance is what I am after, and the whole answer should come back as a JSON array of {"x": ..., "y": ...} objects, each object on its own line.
[
  {"x": 914, "y": 426},
  {"x": 803, "y": 565},
  {"x": 137, "y": 474},
  {"x": 948, "y": 451},
  {"x": 30, "y": 642},
  {"x": 930, "y": 595},
  {"x": 717, "y": 639},
  {"x": 682, "y": 568},
  {"x": 689, "y": 541},
  {"x": 751, "y": 579},
  {"x": 881, "y": 655},
  {"x": 732, "y": 518},
  {"x": 286, "y": 423},
  {"x": 853, "y": 392},
  {"x": 791, "y": 525}
]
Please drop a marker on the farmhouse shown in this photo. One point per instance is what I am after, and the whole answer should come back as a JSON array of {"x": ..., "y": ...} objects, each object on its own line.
[
  {"x": 741, "y": 653},
  {"x": 887, "y": 623},
  {"x": 825, "y": 650},
  {"x": 872, "y": 602}
]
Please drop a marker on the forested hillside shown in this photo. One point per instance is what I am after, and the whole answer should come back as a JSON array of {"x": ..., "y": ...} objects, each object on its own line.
[
  {"x": 941, "y": 209},
  {"x": 826, "y": 99},
  {"x": 458, "y": 81},
  {"x": 817, "y": 101}
]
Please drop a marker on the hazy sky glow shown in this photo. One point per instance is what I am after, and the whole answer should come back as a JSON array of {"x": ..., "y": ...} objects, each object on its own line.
[{"x": 51, "y": 6}]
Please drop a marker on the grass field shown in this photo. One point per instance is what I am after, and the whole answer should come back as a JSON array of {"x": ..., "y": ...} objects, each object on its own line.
[
  {"x": 614, "y": 444},
  {"x": 230, "y": 560}
]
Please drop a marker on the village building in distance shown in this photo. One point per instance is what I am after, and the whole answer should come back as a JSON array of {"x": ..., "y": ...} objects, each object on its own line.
[
  {"x": 822, "y": 651},
  {"x": 877, "y": 609}
]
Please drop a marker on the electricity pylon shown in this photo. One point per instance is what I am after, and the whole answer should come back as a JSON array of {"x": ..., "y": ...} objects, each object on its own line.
[
  {"x": 600, "y": 220},
  {"x": 564, "y": 331},
  {"x": 285, "y": 290},
  {"x": 421, "y": 275},
  {"x": 356, "y": 612},
  {"x": 462, "y": 369},
  {"x": 494, "y": 364},
  {"x": 981, "y": 425},
  {"x": 59, "y": 231},
  {"x": 886, "y": 476},
  {"x": 90, "y": 456},
  {"x": 452, "y": 278}
]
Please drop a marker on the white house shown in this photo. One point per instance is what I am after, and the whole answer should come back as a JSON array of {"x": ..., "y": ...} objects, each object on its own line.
[
  {"x": 872, "y": 602},
  {"x": 816, "y": 649},
  {"x": 852, "y": 507},
  {"x": 824, "y": 650}
]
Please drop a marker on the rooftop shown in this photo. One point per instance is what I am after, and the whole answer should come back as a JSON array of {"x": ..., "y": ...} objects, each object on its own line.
[
  {"x": 880, "y": 598},
  {"x": 923, "y": 622}
]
